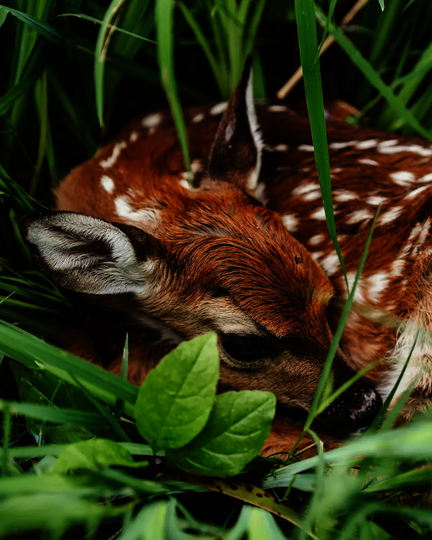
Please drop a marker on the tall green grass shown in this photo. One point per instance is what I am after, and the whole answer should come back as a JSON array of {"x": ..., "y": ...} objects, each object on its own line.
[{"x": 73, "y": 74}]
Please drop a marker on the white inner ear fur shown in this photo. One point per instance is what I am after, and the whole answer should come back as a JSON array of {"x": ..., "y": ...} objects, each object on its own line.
[
  {"x": 60, "y": 238},
  {"x": 256, "y": 134}
]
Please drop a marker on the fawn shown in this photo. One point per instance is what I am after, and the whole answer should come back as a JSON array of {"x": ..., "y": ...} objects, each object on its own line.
[{"x": 241, "y": 248}]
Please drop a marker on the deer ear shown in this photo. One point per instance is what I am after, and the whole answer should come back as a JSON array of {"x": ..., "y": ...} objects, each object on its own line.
[
  {"x": 235, "y": 155},
  {"x": 89, "y": 255}
]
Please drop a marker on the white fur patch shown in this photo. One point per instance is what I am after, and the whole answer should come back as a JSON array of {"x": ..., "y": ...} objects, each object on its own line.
[
  {"x": 416, "y": 192},
  {"x": 368, "y": 162},
  {"x": 426, "y": 178},
  {"x": 365, "y": 145},
  {"x": 340, "y": 145},
  {"x": 290, "y": 222},
  {"x": 133, "y": 136},
  {"x": 419, "y": 364},
  {"x": 318, "y": 214},
  {"x": 359, "y": 215},
  {"x": 316, "y": 240},
  {"x": 107, "y": 183},
  {"x": 330, "y": 264},
  {"x": 277, "y": 108},
  {"x": 127, "y": 212},
  {"x": 305, "y": 148},
  {"x": 377, "y": 284},
  {"x": 152, "y": 120},
  {"x": 219, "y": 108},
  {"x": 198, "y": 118},
  {"x": 303, "y": 189},
  {"x": 376, "y": 200},
  {"x": 402, "y": 178},
  {"x": 344, "y": 196},
  {"x": 390, "y": 216},
  {"x": 412, "y": 148},
  {"x": 109, "y": 162}
]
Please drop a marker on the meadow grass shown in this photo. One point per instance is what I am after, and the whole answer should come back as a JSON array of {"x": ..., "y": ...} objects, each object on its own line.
[{"x": 74, "y": 73}]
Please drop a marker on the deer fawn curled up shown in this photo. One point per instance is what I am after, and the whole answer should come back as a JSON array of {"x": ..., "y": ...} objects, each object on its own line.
[{"x": 242, "y": 249}]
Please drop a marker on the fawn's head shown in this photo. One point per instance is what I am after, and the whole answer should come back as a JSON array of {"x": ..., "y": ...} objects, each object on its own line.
[{"x": 214, "y": 259}]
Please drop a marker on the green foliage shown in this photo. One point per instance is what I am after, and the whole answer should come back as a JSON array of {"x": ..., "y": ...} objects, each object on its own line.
[
  {"x": 175, "y": 400},
  {"x": 235, "y": 432}
]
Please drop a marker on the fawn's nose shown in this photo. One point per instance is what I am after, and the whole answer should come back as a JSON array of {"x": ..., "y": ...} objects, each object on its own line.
[{"x": 354, "y": 410}]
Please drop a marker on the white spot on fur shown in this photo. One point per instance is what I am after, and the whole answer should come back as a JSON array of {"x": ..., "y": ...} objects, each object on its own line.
[
  {"x": 413, "y": 148},
  {"x": 402, "y": 178},
  {"x": 390, "y": 215},
  {"x": 368, "y": 162},
  {"x": 281, "y": 148},
  {"x": 109, "y": 162},
  {"x": 152, "y": 120},
  {"x": 290, "y": 222},
  {"x": 260, "y": 194},
  {"x": 365, "y": 145},
  {"x": 219, "y": 108},
  {"x": 305, "y": 188},
  {"x": 318, "y": 214},
  {"x": 277, "y": 108},
  {"x": 134, "y": 136},
  {"x": 305, "y": 148},
  {"x": 416, "y": 192},
  {"x": 185, "y": 184},
  {"x": 196, "y": 166},
  {"x": 344, "y": 196},
  {"x": 198, "y": 118},
  {"x": 127, "y": 212},
  {"x": 375, "y": 200},
  {"x": 317, "y": 255},
  {"x": 377, "y": 284},
  {"x": 340, "y": 145},
  {"x": 358, "y": 216},
  {"x": 312, "y": 196},
  {"x": 419, "y": 364},
  {"x": 426, "y": 178},
  {"x": 330, "y": 264},
  {"x": 107, "y": 183},
  {"x": 316, "y": 240}
]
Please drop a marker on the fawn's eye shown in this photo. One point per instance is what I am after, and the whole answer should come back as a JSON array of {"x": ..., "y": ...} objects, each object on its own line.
[{"x": 247, "y": 348}]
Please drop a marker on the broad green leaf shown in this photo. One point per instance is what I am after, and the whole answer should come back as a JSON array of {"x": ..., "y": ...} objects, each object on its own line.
[
  {"x": 237, "y": 428},
  {"x": 175, "y": 400},
  {"x": 149, "y": 524},
  {"x": 94, "y": 455}
]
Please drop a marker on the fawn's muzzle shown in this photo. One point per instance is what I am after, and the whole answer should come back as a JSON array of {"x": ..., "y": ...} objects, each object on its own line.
[{"x": 354, "y": 410}]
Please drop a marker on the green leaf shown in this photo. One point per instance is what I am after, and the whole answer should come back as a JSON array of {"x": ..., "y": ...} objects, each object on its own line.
[
  {"x": 175, "y": 400},
  {"x": 237, "y": 428},
  {"x": 94, "y": 455}
]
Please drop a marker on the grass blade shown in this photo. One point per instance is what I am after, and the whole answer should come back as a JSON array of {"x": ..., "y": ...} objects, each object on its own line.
[{"x": 164, "y": 27}]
